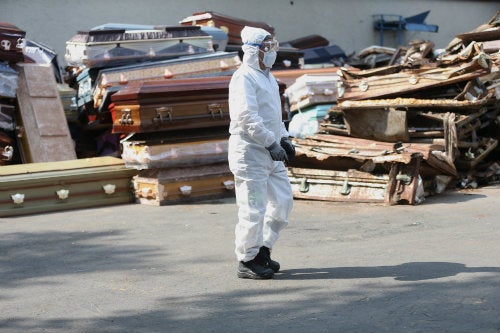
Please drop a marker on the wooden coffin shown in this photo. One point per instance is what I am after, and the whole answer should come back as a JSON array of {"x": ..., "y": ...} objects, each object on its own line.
[
  {"x": 101, "y": 48},
  {"x": 170, "y": 116},
  {"x": 229, "y": 24},
  {"x": 307, "y": 42},
  {"x": 12, "y": 41},
  {"x": 171, "y": 105},
  {"x": 311, "y": 89},
  {"x": 177, "y": 185},
  {"x": 211, "y": 64},
  {"x": 57, "y": 186},
  {"x": 43, "y": 130},
  {"x": 398, "y": 185}
]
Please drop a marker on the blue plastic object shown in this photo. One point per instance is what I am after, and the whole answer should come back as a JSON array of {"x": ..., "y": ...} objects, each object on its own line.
[{"x": 395, "y": 22}]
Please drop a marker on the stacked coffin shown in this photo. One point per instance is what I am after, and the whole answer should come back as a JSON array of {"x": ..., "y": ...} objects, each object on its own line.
[
  {"x": 310, "y": 97},
  {"x": 12, "y": 41},
  {"x": 113, "y": 47},
  {"x": 177, "y": 137},
  {"x": 408, "y": 129},
  {"x": 111, "y": 56},
  {"x": 288, "y": 56}
]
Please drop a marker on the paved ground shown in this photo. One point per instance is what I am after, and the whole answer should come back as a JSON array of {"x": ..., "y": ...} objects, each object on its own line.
[{"x": 346, "y": 268}]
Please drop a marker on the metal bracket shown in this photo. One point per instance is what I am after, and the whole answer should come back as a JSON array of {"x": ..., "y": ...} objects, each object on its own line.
[
  {"x": 346, "y": 188},
  {"x": 214, "y": 109},
  {"x": 126, "y": 118},
  {"x": 163, "y": 114},
  {"x": 304, "y": 185},
  {"x": 404, "y": 178}
]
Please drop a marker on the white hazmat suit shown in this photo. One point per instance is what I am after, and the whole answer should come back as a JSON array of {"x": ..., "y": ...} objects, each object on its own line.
[{"x": 263, "y": 192}]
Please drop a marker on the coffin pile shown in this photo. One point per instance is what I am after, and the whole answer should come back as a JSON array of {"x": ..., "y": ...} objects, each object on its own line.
[
  {"x": 160, "y": 96},
  {"x": 402, "y": 131}
]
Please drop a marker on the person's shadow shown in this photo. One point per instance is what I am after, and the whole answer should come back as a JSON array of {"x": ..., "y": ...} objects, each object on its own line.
[{"x": 413, "y": 271}]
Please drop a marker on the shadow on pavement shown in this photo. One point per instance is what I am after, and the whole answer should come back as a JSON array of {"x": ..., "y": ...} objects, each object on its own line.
[{"x": 414, "y": 271}]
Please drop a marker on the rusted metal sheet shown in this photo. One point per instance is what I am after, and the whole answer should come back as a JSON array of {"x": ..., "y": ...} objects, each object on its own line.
[
  {"x": 392, "y": 85},
  {"x": 334, "y": 152}
]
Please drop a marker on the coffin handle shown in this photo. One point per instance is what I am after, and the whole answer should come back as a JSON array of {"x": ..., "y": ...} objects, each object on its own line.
[
  {"x": 214, "y": 109},
  {"x": 62, "y": 194},
  {"x": 163, "y": 114},
  {"x": 126, "y": 118},
  {"x": 17, "y": 198},
  {"x": 186, "y": 190},
  {"x": 304, "y": 185},
  {"x": 109, "y": 188},
  {"x": 346, "y": 188}
]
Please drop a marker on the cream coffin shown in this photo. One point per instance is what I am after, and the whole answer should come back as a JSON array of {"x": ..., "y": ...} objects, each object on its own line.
[{"x": 56, "y": 186}]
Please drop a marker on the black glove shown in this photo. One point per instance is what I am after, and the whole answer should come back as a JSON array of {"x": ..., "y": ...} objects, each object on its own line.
[
  {"x": 289, "y": 149},
  {"x": 277, "y": 153}
]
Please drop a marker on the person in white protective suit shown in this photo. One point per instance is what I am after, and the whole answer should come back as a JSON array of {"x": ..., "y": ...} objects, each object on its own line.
[{"x": 258, "y": 147}]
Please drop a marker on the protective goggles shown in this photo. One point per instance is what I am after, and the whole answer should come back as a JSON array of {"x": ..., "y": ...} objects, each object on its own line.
[{"x": 270, "y": 45}]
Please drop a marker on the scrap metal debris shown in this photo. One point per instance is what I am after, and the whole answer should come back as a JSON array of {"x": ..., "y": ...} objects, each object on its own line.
[{"x": 419, "y": 124}]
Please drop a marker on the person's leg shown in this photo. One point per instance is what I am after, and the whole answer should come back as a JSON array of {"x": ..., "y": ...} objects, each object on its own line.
[
  {"x": 247, "y": 164},
  {"x": 280, "y": 203},
  {"x": 251, "y": 198}
]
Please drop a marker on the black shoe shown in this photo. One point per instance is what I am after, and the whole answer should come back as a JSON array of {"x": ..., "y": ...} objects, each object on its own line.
[
  {"x": 254, "y": 270},
  {"x": 265, "y": 257}
]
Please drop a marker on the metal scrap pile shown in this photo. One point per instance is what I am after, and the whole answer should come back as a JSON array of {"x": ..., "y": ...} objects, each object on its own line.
[{"x": 411, "y": 128}]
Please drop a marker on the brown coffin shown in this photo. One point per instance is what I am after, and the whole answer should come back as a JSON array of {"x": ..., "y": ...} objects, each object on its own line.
[
  {"x": 175, "y": 104},
  {"x": 43, "y": 129},
  {"x": 176, "y": 185},
  {"x": 307, "y": 42},
  {"x": 230, "y": 25},
  {"x": 171, "y": 104},
  {"x": 170, "y": 116},
  {"x": 12, "y": 40}
]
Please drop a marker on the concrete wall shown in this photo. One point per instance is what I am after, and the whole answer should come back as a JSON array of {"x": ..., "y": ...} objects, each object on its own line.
[{"x": 346, "y": 23}]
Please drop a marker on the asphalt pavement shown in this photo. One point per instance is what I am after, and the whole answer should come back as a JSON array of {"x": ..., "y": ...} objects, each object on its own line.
[{"x": 346, "y": 267}]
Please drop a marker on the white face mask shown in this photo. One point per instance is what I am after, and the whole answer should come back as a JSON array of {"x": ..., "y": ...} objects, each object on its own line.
[{"x": 269, "y": 58}]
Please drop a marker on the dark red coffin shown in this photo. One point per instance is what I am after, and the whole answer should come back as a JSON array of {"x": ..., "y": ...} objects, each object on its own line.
[{"x": 12, "y": 41}]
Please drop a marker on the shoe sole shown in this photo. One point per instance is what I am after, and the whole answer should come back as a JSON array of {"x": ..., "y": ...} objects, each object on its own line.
[{"x": 253, "y": 276}]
